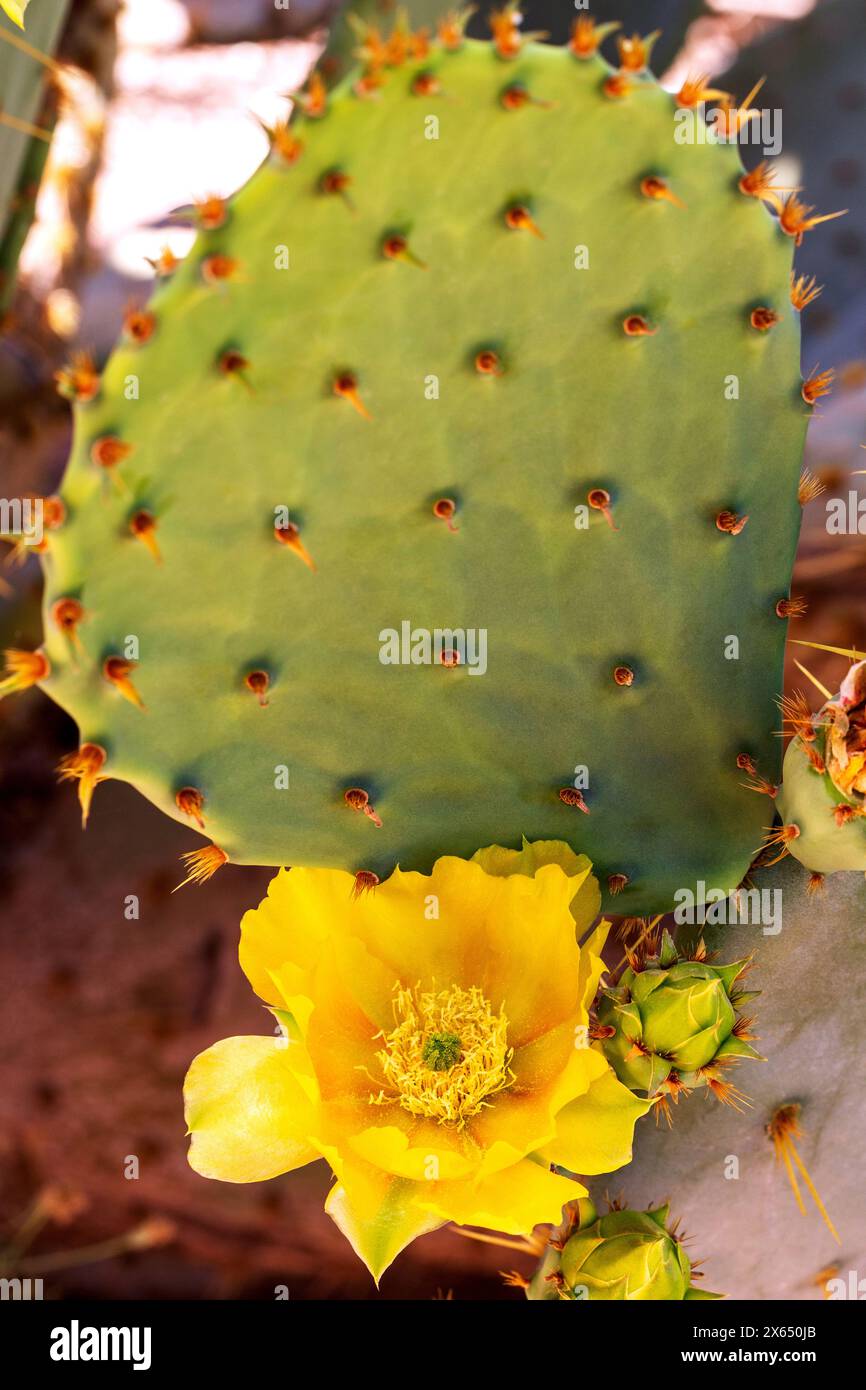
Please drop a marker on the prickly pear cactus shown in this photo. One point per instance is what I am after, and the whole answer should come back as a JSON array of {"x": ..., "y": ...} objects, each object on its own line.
[
  {"x": 622, "y": 1256},
  {"x": 822, "y": 800},
  {"x": 671, "y": 1024},
  {"x": 481, "y": 347}
]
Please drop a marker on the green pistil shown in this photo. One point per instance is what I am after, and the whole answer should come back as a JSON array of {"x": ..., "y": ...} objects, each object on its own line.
[{"x": 441, "y": 1051}]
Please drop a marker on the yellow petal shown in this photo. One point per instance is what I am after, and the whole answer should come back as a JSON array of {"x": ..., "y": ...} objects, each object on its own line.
[
  {"x": 15, "y": 10},
  {"x": 513, "y": 1201},
  {"x": 377, "y": 1212},
  {"x": 586, "y": 903},
  {"x": 388, "y": 1147},
  {"x": 247, "y": 1111},
  {"x": 594, "y": 1132},
  {"x": 489, "y": 932},
  {"x": 526, "y": 1121},
  {"x": 592, "y": 966},
  {"x": 284, "y": 935},
  {"x": 342, "y": 1038}
]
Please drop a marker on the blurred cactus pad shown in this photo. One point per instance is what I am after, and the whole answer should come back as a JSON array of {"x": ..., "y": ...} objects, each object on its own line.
[{"x": 482, "y": 346}]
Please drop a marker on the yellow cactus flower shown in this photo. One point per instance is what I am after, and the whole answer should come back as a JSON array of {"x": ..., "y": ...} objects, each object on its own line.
[
  {"x": 433, "y": 1047},
  {"x": 15, "y": 10}
]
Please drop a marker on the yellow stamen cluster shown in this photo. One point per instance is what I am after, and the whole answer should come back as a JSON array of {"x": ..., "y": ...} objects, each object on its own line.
[{"x": 447, "y": 1055}]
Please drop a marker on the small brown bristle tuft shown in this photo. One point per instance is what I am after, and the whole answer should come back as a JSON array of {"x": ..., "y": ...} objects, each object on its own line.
[
  {"x": 658, "y": 190},
  {"x": 518, "y": 218},
  {"x": 778, "y": 837},
  {"x": 599, "y": 499},
  {"x": 139, "y": 325},
  {"x": 760, "y": 784},
  {"x": 211, "y": 212},
  {"x": 570, "y": 796},
  {"x": 79, "y": 380},
  {"x": 202, "y": 864},
  {"x": 219, "y": 269},
  {"x": 636, "y": 326},
  {"x": 66, "y": 614},
  {"x": 258, "y": 682},
  {"x": 487, "y": 363},
  {"x": 284, "y": 143},
  {"x": 365, "y": 882},
  {"x": 84, "y": 767},
  {"x": 803, "y": 290},
  {"x": 359, "y": 800},
  {"x": 729, "y": 523},
  {"x": 793, "y": 607},
  {"x": 290, "y": 536},
  {"x": 109, "y": 451},
  {"x": 445, "y": 509},
  {"x": 117, "y": 670},
  {"x": 586, "y": 36},
  {"x": 810, "y": 487},
  {"x": 190, "y": 801},
  {"x": 616, "y": 86},
  {"x": 634, "y": 53},
  {"x": 783, "y": 1128},
  {"x": 814, "y": 387},
  {"x": 695, "y": 91},
  {"x": 795, "y": 219},
  {"x": 763, "y": 318},
  {"x": 142, "y": 525},
  {"x": 345, "y": 386},
  {"x": 22, "y": 670}
]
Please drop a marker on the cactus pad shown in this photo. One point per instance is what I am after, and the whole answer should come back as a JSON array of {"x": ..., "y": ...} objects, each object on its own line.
[{"x": 467, "y": 307}]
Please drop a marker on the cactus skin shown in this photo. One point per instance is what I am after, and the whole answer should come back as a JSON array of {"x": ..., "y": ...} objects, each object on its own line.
[
  {"x": 670, "y": 1024},
  {"x": 451, "y": 761},
  {"x": 22, "y": 157},
  {"x": 828, "y": 808},
  {"x": 623, "y": 1256}
]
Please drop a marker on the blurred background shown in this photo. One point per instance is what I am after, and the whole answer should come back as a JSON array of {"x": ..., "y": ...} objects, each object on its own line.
[{"x": 159, "y": 103}]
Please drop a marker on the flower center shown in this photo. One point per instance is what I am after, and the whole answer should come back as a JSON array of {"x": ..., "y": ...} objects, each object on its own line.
[{"x": 447, "y": 1054}]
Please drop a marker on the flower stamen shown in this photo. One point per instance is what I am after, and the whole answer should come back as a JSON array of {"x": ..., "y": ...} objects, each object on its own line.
[{"x": 447, "y": 1055}]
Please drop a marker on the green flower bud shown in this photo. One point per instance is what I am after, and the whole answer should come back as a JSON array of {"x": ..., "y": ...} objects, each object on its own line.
[
  {"x": 670, "y": 1024},
  {"x": 625, "y": 1255}
]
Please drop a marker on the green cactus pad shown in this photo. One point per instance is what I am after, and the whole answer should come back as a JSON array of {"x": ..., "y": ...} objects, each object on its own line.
[
  {"x": 623, "y": 1256},
  {"x": 569, "y": 404}
]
